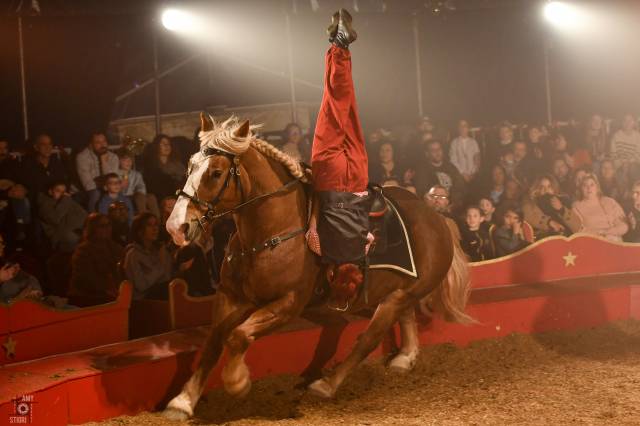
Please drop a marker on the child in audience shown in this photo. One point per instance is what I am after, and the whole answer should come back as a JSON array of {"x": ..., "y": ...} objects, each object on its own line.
[
  {"x": 488, "y": 209},
  {"x": 476, "y": 242},
  {"x": 133, "y": 185},
  {"x": 509, "y": 236},
  {"x": 113, "y": 193}
]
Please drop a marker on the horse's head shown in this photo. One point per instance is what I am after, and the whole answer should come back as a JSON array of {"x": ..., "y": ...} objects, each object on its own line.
[{"x": 216, "y": 181}]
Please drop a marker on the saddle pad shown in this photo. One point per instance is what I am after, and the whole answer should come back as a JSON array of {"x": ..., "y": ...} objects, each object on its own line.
[{"x": 399, "y": 255}]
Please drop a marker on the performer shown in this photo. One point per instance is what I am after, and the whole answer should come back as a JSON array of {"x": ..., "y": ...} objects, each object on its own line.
[{"x": 339, "y": 159}]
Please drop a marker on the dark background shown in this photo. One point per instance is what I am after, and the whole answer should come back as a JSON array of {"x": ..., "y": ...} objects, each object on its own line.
[{"x": 483, "y": 61}]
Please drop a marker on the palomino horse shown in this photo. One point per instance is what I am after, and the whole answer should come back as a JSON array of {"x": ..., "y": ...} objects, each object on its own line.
[{"x": 269, "y": 275}]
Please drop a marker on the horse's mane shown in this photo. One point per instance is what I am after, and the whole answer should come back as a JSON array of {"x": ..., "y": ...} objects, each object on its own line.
[{"x": 294, "y": 167}]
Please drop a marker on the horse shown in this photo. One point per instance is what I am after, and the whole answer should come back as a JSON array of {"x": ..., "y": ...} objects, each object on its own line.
[{"x": 269, "y": 274}]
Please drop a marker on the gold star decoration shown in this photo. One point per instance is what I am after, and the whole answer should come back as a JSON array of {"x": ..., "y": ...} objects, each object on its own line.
[
  {"x": 570, "y": 259},
  {"x": 10, "y": 347}
]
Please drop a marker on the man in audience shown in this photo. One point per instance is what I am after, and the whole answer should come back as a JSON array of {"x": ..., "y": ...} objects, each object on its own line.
[
  {"x": 41, "y": 170},
  {"x": 93, "y": 162},
  {"x": 61, "y": 217},
  {"x": 494, "y": 151},
  {"x": 465, "y": 152},
  {"x": 438, "y": 199},
  {"x": 113, "y": 194},
  {"x": 118, "y": 213},
  {"x": 435, "y": 169}
]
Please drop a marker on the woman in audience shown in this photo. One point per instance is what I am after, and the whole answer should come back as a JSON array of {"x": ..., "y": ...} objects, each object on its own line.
[
  {"x": 295, "y": 144},
  {"x": 596, "y": 138},
  {"x": 548, "y": 211},
  {"x": 385, "y": 169},
  {"x": 633, "y": 215},
  {"x": 609, "y": 182},
  {"x": 163, "y": 171},
  {"x": 508, "y": 236},
  {"x": 94, "y": 265},
  {"x": 147, "y": 263},
  {"x": 14, "y": 282},
  {"x": 562, "y": 173},
  {"x": 600, "y": 214}
]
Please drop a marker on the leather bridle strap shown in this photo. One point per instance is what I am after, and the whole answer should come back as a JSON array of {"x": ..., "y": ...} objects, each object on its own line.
[{"x": 271, "y": 243}]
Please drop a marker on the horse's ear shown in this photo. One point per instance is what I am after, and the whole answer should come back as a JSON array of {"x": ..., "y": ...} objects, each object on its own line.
[
  {"x": 243, "y": 130},
  {"x": 206, "y": 122}
]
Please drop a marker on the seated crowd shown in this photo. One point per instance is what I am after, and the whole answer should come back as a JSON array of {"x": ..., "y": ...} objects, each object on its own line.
[{"x": 75, "y": 226}]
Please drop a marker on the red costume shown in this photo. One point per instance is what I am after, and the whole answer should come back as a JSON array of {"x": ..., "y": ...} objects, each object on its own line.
[{"x": 339, "y": 158}]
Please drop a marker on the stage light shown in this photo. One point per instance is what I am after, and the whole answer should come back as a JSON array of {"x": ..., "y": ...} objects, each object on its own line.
[
  {"x": 564, "y": 16},
  {"x": 180, "y": 21}
]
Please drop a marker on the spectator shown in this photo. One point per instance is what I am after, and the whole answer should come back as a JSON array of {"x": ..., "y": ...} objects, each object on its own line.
[
  {"x": 436, "y": 170},
  {"x": 8, "y": 167},
  {"x": 560, "y": 171},
  {"x": 113, "y": 193},
  {"x": 495, "y": 188},
  {"x": 438, "y": 199},
  {"x": 133, "y": 185},
  {"x": 609, "y": 182},
  {"x": 476, "y": 241},
  {"x": 488, "y": 209},
  {"x": 548, "y": 211},
  {"x": 295, "y": 144},
  {"x": 194, "y": 269},
  {"x": 14, "y": 282},
  {"x": 625, "y": 148},
  {"x": 505, "y": 139},
  {"x": 16, "y": 217},
  {"x": 61, "y": 217},
  {"x": 147, "y": 263},
  {"x": 166, "y": 206},
  {"x": 577, "y": 178},
  {"x": 574, "y": 157},
  {"x": 465, "y": 153},
  {"x": 508, "y": 236},
  {"x": 119, "y": 216},
  {"x": 512, "y": 191},
  {"x": 94, "y": 265},
  {"x": 42, "y": 169},
  {"x": 596, "y": 138},
  {"x": 385, "y": 168},
  {"x": 633, "y": 215},
  {"x": 525, "y": 167},
  {"x": 163, "y": 173},
  {"x": 600, "y": 215},
  {"x": 92, "y": 163}
]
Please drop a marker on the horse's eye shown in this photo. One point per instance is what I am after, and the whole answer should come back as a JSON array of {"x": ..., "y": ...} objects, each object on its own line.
[{"x": 217, "y": 173}]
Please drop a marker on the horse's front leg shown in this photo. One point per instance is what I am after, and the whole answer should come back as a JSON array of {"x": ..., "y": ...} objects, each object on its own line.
[
  {"x": 235, "y": 374},
  {"x": 227, "y": 314},
  {"x": 407, "y": 356}
]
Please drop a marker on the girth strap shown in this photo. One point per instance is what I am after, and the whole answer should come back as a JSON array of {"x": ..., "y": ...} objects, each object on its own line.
[{"x": 271, "y": 243}]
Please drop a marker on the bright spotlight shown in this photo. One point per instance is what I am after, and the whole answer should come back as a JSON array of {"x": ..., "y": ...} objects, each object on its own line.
[
  {"x": 180, "y": 21},
  {"x": 564, "y": 15}
]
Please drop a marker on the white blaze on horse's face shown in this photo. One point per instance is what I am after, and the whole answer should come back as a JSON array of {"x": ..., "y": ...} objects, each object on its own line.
[{"x": 179, "y": 221}]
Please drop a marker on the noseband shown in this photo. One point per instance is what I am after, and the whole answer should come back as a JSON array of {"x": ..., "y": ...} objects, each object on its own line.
[{"x": 234, "y": 172}]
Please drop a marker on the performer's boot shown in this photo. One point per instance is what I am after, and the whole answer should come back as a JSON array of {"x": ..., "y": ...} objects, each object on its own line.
[{"x": 344, "y": 33}]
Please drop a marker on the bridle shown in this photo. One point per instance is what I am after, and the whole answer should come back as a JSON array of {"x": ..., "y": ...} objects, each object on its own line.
[{"x": 234, "y": 173}]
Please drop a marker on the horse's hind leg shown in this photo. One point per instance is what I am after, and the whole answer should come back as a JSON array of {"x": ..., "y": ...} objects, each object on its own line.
[
  {"x": 385, "y": 316},
  {"x": 235, "y": 374},
  {"x": 227, "y": 314},
  {"x": 405, "y": 360}
]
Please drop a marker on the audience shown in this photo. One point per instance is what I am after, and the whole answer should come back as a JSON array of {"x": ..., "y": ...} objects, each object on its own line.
[
  {"x": 133, "y": 186},
  {"x": 438, "y": 199},
  {"x": 295, "y": 144},
  {"x": 385, "y": 169},
  {"x": 548, "y": 211},
  {"x": 92, "y": 163},
  {"x": 14, "y": 282},
  {"x": 609, "y": 182},
  {"x": 476, "y": 241},
  {"x": 42, "y": 168},
  {"x": 61, "y": 217},
  {"x": 113, "y": 194},
  {"x": 488, "y": 209},
  {"x": 600, "y": 215},
  {"x": 435, "y": 169},
  {"x": 163, "y": 172},
  {"x": 118, "y": 214},
  {"x": 94, "y": 264},
  {"x": 465, "y": 153},
  {"x": 147, "y": 263},
  {"x": 633, "y": 215},
  {"x": 509, "y": 235},
  {"x": 194, "y": 269}
]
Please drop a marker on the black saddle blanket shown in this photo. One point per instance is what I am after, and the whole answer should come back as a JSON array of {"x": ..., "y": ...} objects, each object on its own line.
[{"x": 392, "y": 248}]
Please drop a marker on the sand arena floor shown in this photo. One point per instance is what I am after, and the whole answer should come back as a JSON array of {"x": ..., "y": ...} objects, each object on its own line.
[{"x": 584, "y": 377}]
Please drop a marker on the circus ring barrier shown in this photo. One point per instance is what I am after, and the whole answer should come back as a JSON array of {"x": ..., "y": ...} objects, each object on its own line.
[{"x": 555, "y": 284}]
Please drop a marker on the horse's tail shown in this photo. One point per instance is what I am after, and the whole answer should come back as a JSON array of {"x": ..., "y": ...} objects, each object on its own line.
[{"x": 451, "y": 296}]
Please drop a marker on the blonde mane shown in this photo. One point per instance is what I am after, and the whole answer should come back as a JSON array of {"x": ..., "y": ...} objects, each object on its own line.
[{"x": 223, "y": 136}]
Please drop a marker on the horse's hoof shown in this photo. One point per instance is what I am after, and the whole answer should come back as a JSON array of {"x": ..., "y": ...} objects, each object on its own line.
[
  {"x": 238, "y": 389},
  {"x": 178, "y": 409},
  {"x": 322, "y": 389},
  {"x": 402, "y": 364},
  {"x": 175, "y": 415}
]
